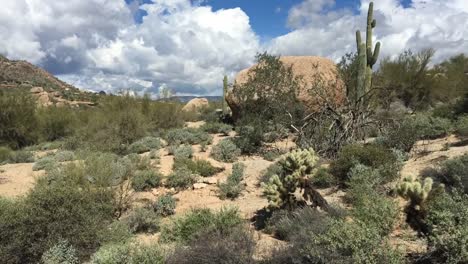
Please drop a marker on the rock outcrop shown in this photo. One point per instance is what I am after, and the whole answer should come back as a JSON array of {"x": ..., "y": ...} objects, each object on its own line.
[
  {"x": 320, "y": 82},
  {"x": 195, "y": 104}
]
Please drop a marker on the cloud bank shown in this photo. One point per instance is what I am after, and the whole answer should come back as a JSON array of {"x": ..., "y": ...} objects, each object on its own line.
[{"x": 97, "y": 45}]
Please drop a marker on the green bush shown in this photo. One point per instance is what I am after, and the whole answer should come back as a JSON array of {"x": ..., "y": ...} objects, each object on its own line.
[
  {"x": 59, "y": 207},
  {"x": 200, "y": 167},
  {"x": 143, "y": 220},
  {"x": 225, "y": 151},
  {"x": 181, "y": 179},
  {"x": 190, "y": 136},
  {"x": 5, "y": 154},
  {"x": 56, "y": 122},
  {"x": 235, "y": 246},
  {"x": 64, "y": 155},
  {"x": 165, "y": 205},
  {"x": 453, "y": 173},
  {"x": 232, "y": 188},
  {"x": 199, "y": 221},
  {"x": 46, "y": 163},
  {"x": 144, "y": 145},
  {"x": 128, "y": 253},
  {"x": 183, "y": 152},
  {"x": 448, "y": 228},
  {"x": 106, "y": 169},
  {"x": 19, "y": 156},
  {"x": 61, "y": 253},
  {"x": 462, "y": 126},
  {"x": 273, "y": 169},
  {"x": 250, "y": 137},
  {"x": 217, "y": 128},
  {"x": 374, "y": 156},
  {"x": 323, "y": 178},
  {"x": 18, "y": 120},
  {"x": 146, "y": 180}
]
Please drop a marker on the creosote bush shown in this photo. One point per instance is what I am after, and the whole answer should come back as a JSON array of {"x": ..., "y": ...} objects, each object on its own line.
[
  {"x": 45, "y": 163},
  {"x": 190, "y": 136},
  {"x": 144, "y": 145},
  {"x": 197, "y": 166},
  {"x": 453, "y": 173},
  {"x": 61, "y": 253},
  {"x": 183, "y": 152},
  {"x": 225, "y": 151},
  {"x": 165, "y": 205},
  {"x": 195, "y": 223},
  {"x": 372, "y": 155},
  {"x": 232, "y": 188},
  {"x": 217, "y": 128},
  {"x": 181, "y": 178},
  {"x": 143, "y": 220},
  {"x": 145, "y": 180}
]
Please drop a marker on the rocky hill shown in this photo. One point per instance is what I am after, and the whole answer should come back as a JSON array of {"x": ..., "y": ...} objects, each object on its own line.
[{"x": 44, "y": 86}]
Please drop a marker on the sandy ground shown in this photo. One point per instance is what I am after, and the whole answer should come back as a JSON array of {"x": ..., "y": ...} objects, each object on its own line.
[{"x": 17, "y": 179}]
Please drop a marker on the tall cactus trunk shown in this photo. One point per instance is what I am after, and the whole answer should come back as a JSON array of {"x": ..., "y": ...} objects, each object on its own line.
[
  {"x": 225, "y": 88},
  {"x": 367, "y": 59}
]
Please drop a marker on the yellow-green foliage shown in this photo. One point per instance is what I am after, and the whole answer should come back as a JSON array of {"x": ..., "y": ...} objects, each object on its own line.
[{"x": 298, "y": 165}]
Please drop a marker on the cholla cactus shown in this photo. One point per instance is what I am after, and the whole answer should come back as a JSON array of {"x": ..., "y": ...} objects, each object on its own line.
[
  {"x": 410, "y": 188},
  {"x": 298, "y": 166}
]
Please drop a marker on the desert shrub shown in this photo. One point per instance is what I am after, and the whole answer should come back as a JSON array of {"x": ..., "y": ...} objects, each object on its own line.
[
  {"x": 323, "y": 179},
  {"x": 18, "y": 120},
  {"x": 154, "y": 155},
  {"x": 217, "y": 128},
  {"x": 181, "y": 178},
  {"x": 448, "y": 224},
  {"x": 145, "y": 180},
  {"x": 183, "y": 152},
  {"x": 143, "y": 220},
  {"x": 462, "y": 126},
  {"x": 106, "y": 169},
  {"x": 61, "y": 253},
  {"x": 128, "y": 253},
  {"x": 197, "y": 166},
  {"x": 138, "y": 162},
  {"x": 46, "y": 163},
  {"x": 5, "y": 154},
  {"x": 144, "y": 145},
  {"x": 190, "y": 136},
  {"x": 249, "y": 137},
  {"x": 64, "y": 155},
  {"x": 286, "y": 225},
  {"x": 362, "y": 181},
  {"x": 374, "y": 156},
  {"x": 198, "y": 221},
  {"x": 232, "y": 188},
  {"x": 118, "y": 253},
  {"x": 225, "y": 151},
  {"x": 453, "y": 173},
  {"x": 235, "y": 246},
  {"x": 59, "y": 207},
  {"x": 19, "y": 156},
  {"x": 165, "y": 205},
  {"x": 272, "y": 154},
  {"x": 56, "y": 122}
]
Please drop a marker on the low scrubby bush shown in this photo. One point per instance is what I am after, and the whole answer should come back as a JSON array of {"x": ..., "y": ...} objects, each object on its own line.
[
  {"x": 145, "y": 180},
  {"x": 143, "y": 220},
  {"x": 144, "y": 145},
  {"x": 19, "y": 156},
  {"x": 183, "y": 152},
  {"x": 165, "y": 205},
  {"x": 462, "y": 126},
  {"x": 374, "y": 156},
  {"x": 249, "y": 138},
  {"x": 45, "y": 163},
  {"x": 447, "y": 220},
  {"x": 199, "y": 221},
  {"x": 181, "y": 178},
  {"x": 232, "y": 188},
  {"x": 454, "y": 173},
  {"x": 323, "y": 178},
  {"x": 61, "y": 253},
  {"x": 189, "y": 136},
  {"x": 128, "y": 253},
  {"x": 273, "y": 169},
  {"x": 235, "y": 246},
  {"x": 64, "y": 155},
  {"x": 197, "y": 166},
  {"x": 217, "y": 128},
  {"x": 5, "y": 154},
  {"x": 225, "y": 151},
  {"x": 106, "y": 169}
]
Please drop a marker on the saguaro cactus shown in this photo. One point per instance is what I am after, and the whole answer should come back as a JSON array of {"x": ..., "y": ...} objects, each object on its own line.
[
  {"x": 225, "y": 88},
  {"x": 367, "y": 59}
]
